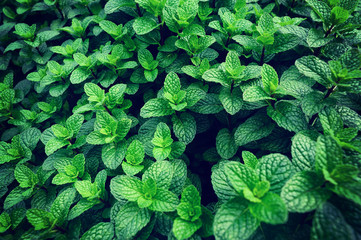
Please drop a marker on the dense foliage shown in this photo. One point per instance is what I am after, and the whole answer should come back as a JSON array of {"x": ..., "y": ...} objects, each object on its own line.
[{"x": 180, "y": 119}]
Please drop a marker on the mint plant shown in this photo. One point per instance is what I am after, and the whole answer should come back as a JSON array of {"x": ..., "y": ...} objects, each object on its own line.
[{"x": 180, "y": 119}]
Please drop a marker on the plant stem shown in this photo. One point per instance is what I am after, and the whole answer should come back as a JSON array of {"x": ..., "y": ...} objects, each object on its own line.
[
  {"x": 328, "y": 93},
  {"x": 329, "y": 31}
]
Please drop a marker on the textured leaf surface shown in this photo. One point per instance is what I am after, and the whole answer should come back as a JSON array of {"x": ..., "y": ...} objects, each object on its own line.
[
  {"x": 103, "y": 230},
  {"x": 234, "y": 221},
  {"x": 225, "y": 144},
  {"x": 303, "y": 192},
  {"x": 254, "y": 128},
  {"x": 328, "y": 223},
  {"x": 275, "y": 168},
  {"x": 130, "y": 220}
]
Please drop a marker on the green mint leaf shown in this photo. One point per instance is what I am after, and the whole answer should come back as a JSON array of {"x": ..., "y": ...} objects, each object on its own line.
[
  {"x": 164, "y": 201},
  {"x": 60, "y": 131},
  {"x": 113, "y": 5},
  {"x": 217, "y": 76},
  {"x": 144, "y": 25},
  {"x": 329, "y": 223},
  {"x": 233, "y": 64},
  {"x": 249, "y": 159},
  {"x": 183, "y": 229},
  {"x": 234, "y": 220},
  {"x": 79, "y": 75},
  {"x": 135, "y": 153},
  {"x": 82, "y": 206},
  {"x": 184, "y": 127},
  {"x": 131, "y": 170},
  {"x": 231, "y": 101},
  {"x": 349, "y": 190},
  {"x": 94, "y": 92},
  {"x": 113, "y": 154},
  {"x": 5, "y": 222},
  {"x": 157, "y": 107},
  {"x": 86, "y": 188},
  {"x": 25, "y": 176},
  {"x": 270, "y": 210},
  {"x": 39, "y": 218},
  {"x": 161, "y": 172},
  {"x": 162, "y": 142},
  {"x": 61, "y": 205},
  {"x": 221, "y": 184},
  {"x": 254, "y": 128},
  {"x": 172, "y": 83},
  {"x": 179, "y": 176},
  {"x": 303, "y": 192},
  {"x": 275, "y": 168},
  {"x": 102, "y": 230},
  {"x": 288, "y": 116},
  {"x": 225, "y": 144},
  {"x": 328, "y": 153},
  {"x": 315, "y": 68},
  {"x": 331, "y": 121},
  {"x": 240, "y": 176},
  {"x": 130, "y": 219},
  {"x": 303, "y": 151},
  {"x": 269, "y": 78},
  {"x": 255, "y": 93},
  {"x": 126, "y": 187}
]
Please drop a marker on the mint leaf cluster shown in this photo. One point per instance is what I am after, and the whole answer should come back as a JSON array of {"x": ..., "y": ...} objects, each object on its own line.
[{"x": 180, "y": 119}]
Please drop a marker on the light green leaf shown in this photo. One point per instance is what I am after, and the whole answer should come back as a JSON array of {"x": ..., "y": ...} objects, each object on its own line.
[
  {"x": 39, "y": 218},
  {"x": 303, "y": 192},
  {"x": 172, "y": 83},
  {"x": 135, "y": 153},
  {"x": 271, "y": 210},
  {"x": 61, "y": 205},
  {"x": 5, "y": 222},
  {"x": 126, "y": 187},
  {"x": 74, "y": 123},
  {"x": 234, "y": 221},
  {"x": 161, "y": 172},
  {"x": 331, "y": 121},
  {"x": 254, "y": 128},
  {"x": 94, "y": 92},
  {"x": 275, "y": 168},
  {"x": 113, "y": 5},
  {"x": 144, "y": 25},
  {"x": 113, "y": 154},
  {"x": 231, "y": 101},
  {"x": 156, "y": 108},
  {"x": 288, "y": 116},
  {"x": 303, "y": 152},
  {"x": 240, "y": 176},
  {"x": 221, "y": 184},
  {"x": 100, "y": 231},
  {"x": 183, "y": 229},
  {"x": 25, "y": 176},
  {"x": 255, "y": 93},
  {"x": 249, "y": 159},
  {"x": 328, "y": 153},
  {"x": 130, "y": 220},
  {"x": 314, "y": 68},
  {"x": 269, "y": 78},
  {"x": 79, "y": 75},
  {"x": 164, "y": 201},
  {"x": 217, "y": 76}
]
